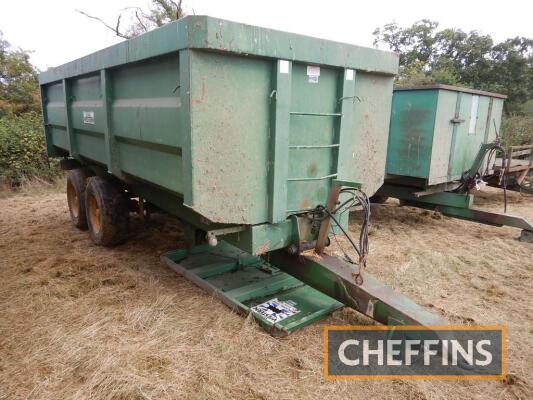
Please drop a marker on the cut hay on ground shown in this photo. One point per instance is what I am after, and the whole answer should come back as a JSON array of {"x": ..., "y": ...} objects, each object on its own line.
[{"x": 83, "y": 322}]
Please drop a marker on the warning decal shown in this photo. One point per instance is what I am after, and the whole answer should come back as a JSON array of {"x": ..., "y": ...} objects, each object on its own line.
[
  {"x": 275, "y": 310},
  {"x": 313, "y": 72},
  {"x": 88, "y": 117}
]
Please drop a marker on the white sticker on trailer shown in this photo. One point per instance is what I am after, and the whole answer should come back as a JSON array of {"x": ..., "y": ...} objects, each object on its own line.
[
  {"x": 313, "y": 72},
  {"x": 474, "y": 110},
  {"x": 349, "y": 74},
  {"x": 88, "y": 117},
  {"x": 283, "y": 67},
  {"x": 275, "y": 310}
]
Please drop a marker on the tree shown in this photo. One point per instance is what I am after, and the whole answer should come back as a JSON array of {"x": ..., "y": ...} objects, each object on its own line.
[
  {"x": 452, "y": 56},
  {"x": 160, "y": 13},
  {"x": 512, "y": 68},
  {"x": 19, "y": 88},
  {"x": 415, "y": 43}
]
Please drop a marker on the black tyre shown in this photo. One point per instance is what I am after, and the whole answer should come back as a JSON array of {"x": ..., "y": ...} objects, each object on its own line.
[
  {"x": 107, "y": 211},
  {"x": 76, "y": 183}
]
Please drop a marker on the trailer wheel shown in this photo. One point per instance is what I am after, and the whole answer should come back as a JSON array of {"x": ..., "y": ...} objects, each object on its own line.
[
  {"x": 76, "y": 183},
  {"x": 107, "y": 212}
]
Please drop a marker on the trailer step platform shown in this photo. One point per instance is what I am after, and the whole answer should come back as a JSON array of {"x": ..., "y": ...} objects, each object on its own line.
[{"x": 247, "y": 284}]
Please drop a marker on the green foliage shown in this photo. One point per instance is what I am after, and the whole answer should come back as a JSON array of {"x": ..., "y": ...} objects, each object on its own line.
[
  {"x": 527, "y": 108},
  {"x": 452, "y": 56},
  {"x": 164, "y": 11},
  {"x": 513, "y": 71},
  {"x": 18, "y": 81},
  {"x": 22, "y": 144},
  {"x": 517, "y": 130},
  {"x": 23, "y": 150},
  {"x": 414, "y": 74},
  {"x": 414, "y": 43}
]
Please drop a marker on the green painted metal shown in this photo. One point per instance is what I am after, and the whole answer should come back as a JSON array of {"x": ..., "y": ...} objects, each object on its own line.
[
  {"x": 456, "y": 120},
  {"x": 238, "y": 131},
  {"x": 438, "y": 199},
  {"x": 230, "y": 114},
  {"x": 456, "y": 205},
  {"x": 280, "y": 98},
  {"x": 478, "y": 164},
  {"x": 436, "y": 131},
  {"x": 51, "y": 150},
  {"x": 54, "y": 112},
  {"x": 438, "y": 135},
  {"x": 71, "y": 139},
  {"x": 488, "y": 218},
  {"x": 185, "y": 125},
  {"x": 411, "y": 133},
  {"x": 243, "y": 281},
  {"x": 313, "y": 122},
  {"x": 247, "y": 134},
  {"x": 202, "y": 32},
  {"x": 335, "y": 278},
  {"x": 111, "y": 149},
  {"x": 315, "y": 286},
  {"x": 263, "y": 238},
  {"x": 253, "y": 239},
  {"x": 346, "y": 101}
]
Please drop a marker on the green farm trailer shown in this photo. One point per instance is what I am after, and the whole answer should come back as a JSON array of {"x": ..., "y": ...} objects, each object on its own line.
[
  {"x": 443, "y": 142},
  {"x": 254, "y": 138}
]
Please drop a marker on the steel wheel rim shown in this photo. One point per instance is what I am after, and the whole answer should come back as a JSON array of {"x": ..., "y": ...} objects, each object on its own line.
[
  {"x": 94, "y": 213},
  {"x": 73, "y": 200}
]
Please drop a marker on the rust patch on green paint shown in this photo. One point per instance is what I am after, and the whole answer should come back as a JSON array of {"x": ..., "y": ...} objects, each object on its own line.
[
  {"x": 202, "y": 95},
  {"x": 304, "y": 204},
  {"x": 264, "y": 248},
  {"x": 312, "y": 170}
]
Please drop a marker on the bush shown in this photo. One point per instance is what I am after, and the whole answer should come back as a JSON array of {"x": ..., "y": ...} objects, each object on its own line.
[
  {"x": 23, "y": 150},
  {"x": 517, "y": 130}
]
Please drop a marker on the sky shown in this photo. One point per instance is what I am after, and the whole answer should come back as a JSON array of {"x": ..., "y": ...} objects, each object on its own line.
[{"x": 56, "y": 33}]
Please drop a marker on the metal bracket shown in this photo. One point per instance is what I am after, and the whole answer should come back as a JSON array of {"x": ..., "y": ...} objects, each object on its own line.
[
  {"x": 211, "y": 235},
  {"x": 333, "y": 277},
  {"x": 458, "y": 206},
  {"x": 349, "y": 184},
  {"x": 333, "y": 198}
]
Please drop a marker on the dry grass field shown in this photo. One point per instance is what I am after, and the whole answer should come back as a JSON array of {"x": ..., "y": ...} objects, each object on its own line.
[{"x": 82, "y": 322}]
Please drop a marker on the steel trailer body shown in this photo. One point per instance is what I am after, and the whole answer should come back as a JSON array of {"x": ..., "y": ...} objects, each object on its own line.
[
  {"x": 437, "y": 130},
  {"x": 243, "y": 125},
  {"x": 240, "y": 132},
  {"x": 439, "y": 137}
]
